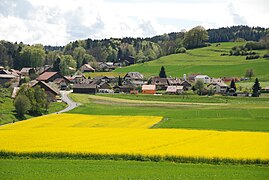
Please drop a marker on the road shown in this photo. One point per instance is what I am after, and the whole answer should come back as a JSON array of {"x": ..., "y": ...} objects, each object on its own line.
[{"x": 71, "y": 104}]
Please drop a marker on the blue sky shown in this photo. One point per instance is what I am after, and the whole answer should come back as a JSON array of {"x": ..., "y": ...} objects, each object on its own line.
[{"x": 58, "y": 22}]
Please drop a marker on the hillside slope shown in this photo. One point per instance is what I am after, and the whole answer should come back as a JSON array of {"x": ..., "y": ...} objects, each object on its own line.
[{"x": 207, "y": 60}]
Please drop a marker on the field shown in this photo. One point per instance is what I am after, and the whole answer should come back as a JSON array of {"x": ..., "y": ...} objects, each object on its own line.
[
  {"x": 88, "y": 169},
  {"x": 206, "y": 60},
  {"x": 208, "y": 113},
  {"x": 129, "y": 136}
]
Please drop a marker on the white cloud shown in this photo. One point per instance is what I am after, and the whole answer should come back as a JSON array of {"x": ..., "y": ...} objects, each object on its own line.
[{"x": 58, "y": 22}]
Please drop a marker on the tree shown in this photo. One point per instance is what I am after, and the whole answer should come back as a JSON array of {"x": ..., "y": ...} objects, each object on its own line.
[
  {"x": 78, "y": 54},
  {"x": 67, "y": 65},
  {"x": 249, "y": 73},
  {"x": 32, "y": 56},
  {"x": 199, "y": 86},
  {"x": 162, "y": 73},
  {"x": 22, "y": 105},
  {"x": 195, "y": 37},
  {"x": 256, "y": 88},
  {"x": 120, "y": 81},
  {"x": 88, "y": 58},
  {"x": 56, "y": 64},
  {"x": 232, "y": 85}
]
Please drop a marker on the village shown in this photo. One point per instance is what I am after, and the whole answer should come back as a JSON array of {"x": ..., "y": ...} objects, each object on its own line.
[{"x": 132, "y": 83}]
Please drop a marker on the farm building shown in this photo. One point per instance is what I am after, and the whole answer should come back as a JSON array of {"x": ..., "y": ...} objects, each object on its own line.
[
  {"x": 4, "y": 78},
  {"x": 219, "y": 87},
  {"x": 204, "y": 78},
  {"x": 186, "y": 85},
  {"x": 135, "y": 78},
  {"x": 149, "y": 89},
  {"x": 51, "y": 76},
  {"x": 174, "y": 90},
  {"x": 124, "y": 89},
  {"x": 173, "y": 82},
  {"x": 161, "y": 83},
  {"x": 85, "y": 88},
  {"x": 25, "y": 71},
  {"x": 50, "y": 91},
  {"x": 87, "y": 68}
]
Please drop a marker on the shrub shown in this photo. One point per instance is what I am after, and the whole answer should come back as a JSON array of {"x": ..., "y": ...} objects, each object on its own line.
[
  {"x": 252, "y": 57},
  {"x": 181, "y": 50},
  {"x": 22, "y": 105}
]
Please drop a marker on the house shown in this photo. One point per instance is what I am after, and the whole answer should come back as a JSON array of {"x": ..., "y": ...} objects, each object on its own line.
[
  {"x": 4, "y": 78},
  {"x": 51, "y": 76},
  {"x": 186, "y": 85},
  {"x": 49, "y": 89},
  {"x": 124, "y": 89},
  {"x": 204, "y": 78},
  {"x": 25, "y": 71},
  {"x": 87, "y": 68},
  {"x": 219, "y": 87},
  {"x": 85, "y": 88},
  {"x": 46, "y": 68},
  {"x": 77, "y": 79},
  {"x": 174, "y": 90},
  {"x": 173, "y": 82},
  {"x": 135, "y": 78},
  {"x": 62, "y": 84},
  {"x": 191, "y": 77},
  {"x": 161, "y": 83},
  {"x": 149, "y": 89}
]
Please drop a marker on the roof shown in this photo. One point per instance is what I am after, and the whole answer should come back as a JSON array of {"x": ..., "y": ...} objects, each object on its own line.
[
  {"x": 149, "y": 87},
  {"x": 82, "y": 86},
  {"x": 26, "y": 69},
  {"x": 7, "y": 76},
  {"x": 219, "y": 84},
  {"x": 88, "y": 67},
  {"x": 134, "y": 75},
  {"x": 174, "y": 89},
  {"x": 15, "y": 91},
  {"x": 173, "y": 81},
  {"x": 201, "y": 76},
  {"x": 47, "y": 85},
  {"x": 59, "y": 80},
  {"x": 267, "y": 87},
  {"x": 45, "y": 76},
  {"x": 159, "y": 81}
]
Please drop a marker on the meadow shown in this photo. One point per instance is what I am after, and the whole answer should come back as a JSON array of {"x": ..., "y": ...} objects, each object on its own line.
[
  {"x": 212, "y": 113},
  {"x": 207, "y": 60},
  {"x": 89, "y": 169}
]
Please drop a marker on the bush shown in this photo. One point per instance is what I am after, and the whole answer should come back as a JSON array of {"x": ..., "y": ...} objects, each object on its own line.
[
  {"x": 22, "y": 105},
  {"x": 181, "y": 50},
  {"x": 266, "y": 56},
  {"x": 252, "y": 57}
]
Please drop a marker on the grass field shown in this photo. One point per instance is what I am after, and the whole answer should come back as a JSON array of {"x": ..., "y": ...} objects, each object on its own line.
[
  {"x": 244, "y": 114},
  {"x": 8, "y": 114},
  {"x": 207, "y": 60},
  {"x": 87, "y": 169}
]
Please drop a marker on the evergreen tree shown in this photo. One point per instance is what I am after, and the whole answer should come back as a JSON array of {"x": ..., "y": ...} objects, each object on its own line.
[
  {"x": 56, "y": 65},
  {"x": 120, "y": 81},
  {"x": 162, "y": 73},
  {"x": 256, "y": 88},
  {"x": 232, "y": 85}
]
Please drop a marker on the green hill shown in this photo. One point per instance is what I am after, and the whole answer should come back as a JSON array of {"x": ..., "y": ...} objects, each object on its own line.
[{"x": 207, "y": 60}]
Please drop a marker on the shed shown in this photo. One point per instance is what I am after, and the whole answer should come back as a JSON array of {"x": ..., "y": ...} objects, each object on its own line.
[
  {"x": 149, "y": 89},
  {"x": 85, "y": 88}
]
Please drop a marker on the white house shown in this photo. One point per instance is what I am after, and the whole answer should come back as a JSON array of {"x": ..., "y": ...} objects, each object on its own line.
[
  {"x": 204, "y": 78},
  {"x": 219, "y": 87}
]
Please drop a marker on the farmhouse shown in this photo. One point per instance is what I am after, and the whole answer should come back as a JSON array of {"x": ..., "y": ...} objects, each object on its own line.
[
  {"x": 85, "y": 88},
  {"x": 173, "y": 82},
  {"x": 51, "y": 76},
  {"x": 174, "y": 90},
  {"x": 219, "y": 87},
  {"x": 50, "y": 91},
  {"x": 124, "y": 89},
  {"x": 87, "y": 68},
  {"x": 25, "y": 71},
  {"x": 161, "y": 83},
  {"x": 135, "y": 78},
  {"x": 204, "y": 78},
  {"x": 149, "y": 89},
  {"x": 186, "y": 85}
]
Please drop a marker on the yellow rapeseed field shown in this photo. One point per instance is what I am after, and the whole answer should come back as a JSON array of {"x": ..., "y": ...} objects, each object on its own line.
[{"x": 128, "y": 135}]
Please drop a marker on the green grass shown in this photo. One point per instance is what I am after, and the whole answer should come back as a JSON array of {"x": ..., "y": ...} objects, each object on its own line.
[
  {"x": 8, "y": 114},
  {"x": 249, "y": 114},
  {"x": 104, "y": 169},
  {"x": 207, "y": 60}
]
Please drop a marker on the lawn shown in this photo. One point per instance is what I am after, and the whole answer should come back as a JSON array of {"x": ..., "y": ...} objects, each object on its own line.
[
  {"x": 88, "y": 169},
  {"x": 207, "y": 60},
  {"x": 243, "y": 114}
]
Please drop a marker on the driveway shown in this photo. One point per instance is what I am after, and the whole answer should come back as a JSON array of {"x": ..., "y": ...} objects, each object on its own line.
[{"x": 71, "y": 104}]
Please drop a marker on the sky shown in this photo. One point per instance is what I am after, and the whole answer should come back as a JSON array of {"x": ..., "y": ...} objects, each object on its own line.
[{"x": 57, "y": 22}]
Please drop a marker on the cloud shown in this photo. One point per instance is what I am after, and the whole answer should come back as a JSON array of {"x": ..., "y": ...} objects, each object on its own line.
[{"x": 59, "y": 22}]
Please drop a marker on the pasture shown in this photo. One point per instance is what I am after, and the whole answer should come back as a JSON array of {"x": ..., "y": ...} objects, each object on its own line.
[
  {"x": 89, "y": 169},
  {"x": 207, "y": 60}
]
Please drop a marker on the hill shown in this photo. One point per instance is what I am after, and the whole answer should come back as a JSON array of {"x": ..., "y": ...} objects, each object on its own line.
[{"x": 207, "y": 60}]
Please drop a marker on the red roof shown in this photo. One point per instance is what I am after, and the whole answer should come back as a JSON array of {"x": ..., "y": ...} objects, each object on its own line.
[{"x": 45, "y": 76}]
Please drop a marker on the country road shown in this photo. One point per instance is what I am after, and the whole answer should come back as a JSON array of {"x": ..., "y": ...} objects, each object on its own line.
[{"x": 71, "y": 104}]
